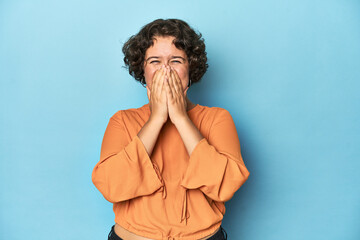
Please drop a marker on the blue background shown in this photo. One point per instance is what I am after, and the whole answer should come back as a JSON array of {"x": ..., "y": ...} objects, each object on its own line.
[{"x": 287, "y": 71}]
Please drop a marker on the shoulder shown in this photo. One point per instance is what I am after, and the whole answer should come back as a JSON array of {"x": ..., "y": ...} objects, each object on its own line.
[
  {"x": 213, "y": 115},
  {"x": 222, "y": 116},
  {"x": 131, "y": 114},
  {"x": 215, "y": 112}
]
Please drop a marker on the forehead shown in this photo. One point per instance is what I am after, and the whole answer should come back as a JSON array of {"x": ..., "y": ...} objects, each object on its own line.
[{"x": 164, "y": 47}]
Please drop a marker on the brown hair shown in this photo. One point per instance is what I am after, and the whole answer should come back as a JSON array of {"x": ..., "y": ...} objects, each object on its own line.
[{"x": 186, "y": 39}]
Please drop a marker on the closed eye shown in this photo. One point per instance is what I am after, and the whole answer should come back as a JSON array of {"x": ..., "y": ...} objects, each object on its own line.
[{"x": 154, "y": 61}]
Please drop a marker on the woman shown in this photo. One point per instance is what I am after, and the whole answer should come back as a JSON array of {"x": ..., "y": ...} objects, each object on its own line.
[{"x": 169, "y": 166}]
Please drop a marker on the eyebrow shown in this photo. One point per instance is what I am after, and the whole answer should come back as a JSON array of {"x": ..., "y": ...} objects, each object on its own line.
[
  {"x": 156, "y": 57},
  {"x": 151, "y": 57},
  {"x": 178, "y": 57}
]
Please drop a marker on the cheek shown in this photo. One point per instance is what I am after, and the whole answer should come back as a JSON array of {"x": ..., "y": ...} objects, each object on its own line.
[
  {"x": 149, "y": 74},
  {"x": 183, "y": 73}
]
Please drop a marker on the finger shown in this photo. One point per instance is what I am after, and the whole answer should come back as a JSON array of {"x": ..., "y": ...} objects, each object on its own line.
[
  {"x": 171, "y": 85},
  {"x": 154, "y": 79},
  {"x": 173, "y": 82},
  {"x": 149, "y": 95},
  {"x": 158, "y": 73},
  {"x": 169, "y": 93},
  {"x": 177, "y": 87},
  {"x": 158, "y": 81},
  {"x": 178, "y": 80},
  {"x": 162, "y": 85}
]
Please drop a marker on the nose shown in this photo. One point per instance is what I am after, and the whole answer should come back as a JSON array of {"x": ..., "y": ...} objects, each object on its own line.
[{"x": 166, "y": 66}]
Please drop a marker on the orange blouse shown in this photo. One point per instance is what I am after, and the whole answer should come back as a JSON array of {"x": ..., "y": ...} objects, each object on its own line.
[{"x": 170, "y": 195}]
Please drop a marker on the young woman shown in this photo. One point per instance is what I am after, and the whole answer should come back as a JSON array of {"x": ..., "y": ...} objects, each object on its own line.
[{"x": 169, "y": 166}]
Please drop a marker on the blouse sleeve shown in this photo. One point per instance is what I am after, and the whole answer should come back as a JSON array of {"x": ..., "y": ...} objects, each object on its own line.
[
  {"x": 216, "y": 166},
  {"x": 125, "y": 170}
]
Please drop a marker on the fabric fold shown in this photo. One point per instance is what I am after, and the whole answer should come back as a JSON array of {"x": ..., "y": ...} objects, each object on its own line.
[
  {"x": 163, "y": 187},
  {"x": 184, "y": 211},
  {"x": 215, "y": 165}
]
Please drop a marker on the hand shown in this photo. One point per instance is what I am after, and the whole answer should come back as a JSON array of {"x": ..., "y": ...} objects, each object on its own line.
[
  {"x": 157, "y": 96},
  {"x": 176, "y": 97}
]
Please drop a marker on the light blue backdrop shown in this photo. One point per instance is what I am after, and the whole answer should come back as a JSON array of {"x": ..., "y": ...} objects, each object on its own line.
[{"x": 287, "y": 71}]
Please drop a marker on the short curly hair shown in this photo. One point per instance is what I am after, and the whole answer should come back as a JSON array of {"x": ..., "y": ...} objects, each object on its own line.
[{"x": 186, "y": 39}]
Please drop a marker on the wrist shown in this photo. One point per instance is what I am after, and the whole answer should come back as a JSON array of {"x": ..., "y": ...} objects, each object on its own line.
[
  {"x": 182, "y": 120},
  {"x": 156, "y": 121}
]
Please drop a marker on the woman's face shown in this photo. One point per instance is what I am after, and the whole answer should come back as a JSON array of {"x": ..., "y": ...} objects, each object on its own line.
[{"x": 164, "y": 52}]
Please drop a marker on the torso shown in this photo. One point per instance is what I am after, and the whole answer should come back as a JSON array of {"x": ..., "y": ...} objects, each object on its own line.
[{"x": 127, "y": 235}]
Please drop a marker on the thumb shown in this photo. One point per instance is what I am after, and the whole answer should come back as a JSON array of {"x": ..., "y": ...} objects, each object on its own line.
[
  {"x": 185, "y": 92},
  {"x": 148, "y": 92}
]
